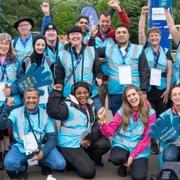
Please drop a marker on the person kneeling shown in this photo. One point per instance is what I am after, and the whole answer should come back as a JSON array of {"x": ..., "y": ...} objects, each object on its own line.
[
  {"x": 129, "y": 128},
  {"x": 34, "y": 137},
  {"x": 79, "y": 138}
]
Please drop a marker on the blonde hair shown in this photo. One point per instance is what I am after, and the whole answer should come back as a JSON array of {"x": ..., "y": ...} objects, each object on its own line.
[
  {"x": 127, "y": 108},
  {"x": 7, "y": 38}
]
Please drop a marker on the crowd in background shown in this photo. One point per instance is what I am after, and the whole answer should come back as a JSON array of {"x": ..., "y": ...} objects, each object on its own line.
[{"x": 140, "y": 82}]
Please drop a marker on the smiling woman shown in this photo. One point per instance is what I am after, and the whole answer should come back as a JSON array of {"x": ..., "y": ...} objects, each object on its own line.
[
  {"x": 129, "y": 128},
  {"x": 79, "y": 138},
  {"x": 9, "y": 73}
]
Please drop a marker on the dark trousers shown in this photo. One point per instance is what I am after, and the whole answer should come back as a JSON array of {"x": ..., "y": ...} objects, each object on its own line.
[
  {"x": 154, "y": 97},
  {"x": 82, "y": 160},
  {"x": 139, "y": 167},
  {"x": 115, "y": 102}
]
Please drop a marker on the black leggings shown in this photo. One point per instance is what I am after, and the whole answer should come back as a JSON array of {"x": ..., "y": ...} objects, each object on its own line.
[
  {"x": 81, "y": 160},
  {"x": 139, "y": 167}
]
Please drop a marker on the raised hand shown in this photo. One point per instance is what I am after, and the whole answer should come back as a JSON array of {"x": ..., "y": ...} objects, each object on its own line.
[
  {"x": 99, "y": 81},
  {"x": 101, "y": 115},
  {"x": 144, "y": 10},
  {"x": 7, "y": 90},
  {"x": 45, "y": 8},
  {"x": 10, "y": 101},
  {"x": 115, "y": 4},
  {"x": 94, "y": 30}
]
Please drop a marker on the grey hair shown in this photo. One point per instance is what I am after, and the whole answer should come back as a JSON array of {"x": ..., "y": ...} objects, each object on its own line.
[
  {"x": 31, "y": 89},
  {"x": 6, "y": 37}
]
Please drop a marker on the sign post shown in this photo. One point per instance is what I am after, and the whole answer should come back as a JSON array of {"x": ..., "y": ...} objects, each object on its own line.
[{"x": 156, "y": 18}]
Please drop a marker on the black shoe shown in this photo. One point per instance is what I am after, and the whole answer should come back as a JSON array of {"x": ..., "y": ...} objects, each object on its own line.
[
  {"x": 122, "y": 171},
  {"x": 46, "y": 170},
  {"x": 99, "y": 162},
  {"x": 15, "y": 175},
  {"x": 154, "y": 148},
  {"x": 154, "y": 176}
]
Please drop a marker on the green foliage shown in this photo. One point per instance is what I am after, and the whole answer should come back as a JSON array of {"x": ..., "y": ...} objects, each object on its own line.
[
  {"x": 13, "y": 10},
  {"x": 65, "y": 13}
]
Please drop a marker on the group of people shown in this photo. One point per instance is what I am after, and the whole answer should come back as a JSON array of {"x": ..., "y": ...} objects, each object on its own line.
[{"x": 139, "y": 80}]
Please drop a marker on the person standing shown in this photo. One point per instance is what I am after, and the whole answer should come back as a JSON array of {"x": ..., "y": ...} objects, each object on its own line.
[
  {"x": 23, "y": 42},
  {"x": 38, "y": 57},
  {"x": 176, "y": 37},
  {"x": 125, "y": 64},
  {"x": 78, "y": 62},
  {"x": 159, "y": 60}
]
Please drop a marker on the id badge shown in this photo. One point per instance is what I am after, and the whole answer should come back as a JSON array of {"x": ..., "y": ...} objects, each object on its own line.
[
  {"x": 30, "y": 144},
  {"x": 125, "y": 76},
  {"x": 155, "y": 78},
  {"x": 2, "y": 94}
]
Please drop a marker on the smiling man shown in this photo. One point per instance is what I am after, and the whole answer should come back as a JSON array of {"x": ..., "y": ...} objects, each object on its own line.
[
  {"x": 126, "y": 63},
  {"x": 34, "y": 135}
]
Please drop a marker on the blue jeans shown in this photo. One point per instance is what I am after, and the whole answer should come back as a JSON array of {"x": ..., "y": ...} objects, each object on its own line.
[
  {"x": 115, "y": 102},
  {"x": 171, "y": 153},
  {"x": 97, "y": 103},
  {"x": 17, "y": 161}
]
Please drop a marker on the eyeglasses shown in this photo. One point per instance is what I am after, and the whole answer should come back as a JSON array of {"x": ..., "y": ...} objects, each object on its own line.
[
  {"x": 21, "y": 25},
  {"x": 7, "y": 43},
  {"x": 83, "y": 22}
]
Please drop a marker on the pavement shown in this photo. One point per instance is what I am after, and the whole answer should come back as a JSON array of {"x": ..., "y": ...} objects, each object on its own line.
[{"x": 108, "y": 172}]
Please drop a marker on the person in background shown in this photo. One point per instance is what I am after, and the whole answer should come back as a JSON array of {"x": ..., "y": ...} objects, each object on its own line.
[
  {"x": 54, "y": 46},
  {"x": 159, "y": 59},
  {"x": 79, "y": 138},
  {"x": 9, "y": 74},
  {"x": 23, "y": 42},
  {"x": 176, "y": 37},
  {"x": 50, "y": 31},
  {"x": 125, "y": 63},
  {"x": 105, "y": 32},
  {"x": 129, "y": 129},
  {"x": 40, "y": 59},
  {"x": 78, "y": 62}
]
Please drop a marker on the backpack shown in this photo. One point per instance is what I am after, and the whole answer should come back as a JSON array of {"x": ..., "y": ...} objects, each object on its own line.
[{"x": 169, "y": 171}]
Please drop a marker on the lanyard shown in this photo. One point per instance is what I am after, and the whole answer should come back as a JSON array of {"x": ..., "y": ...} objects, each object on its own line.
[
  {"x": 43, "y": 60},
  {"x": 55, "y": 52},
  {"x": 156, "y": 58},
  {"x": 26, "y": 115},
  {"x": 4, "y": 72},
  {"x": 124, "y": 55},
  {"x": 77, "y": 58}
]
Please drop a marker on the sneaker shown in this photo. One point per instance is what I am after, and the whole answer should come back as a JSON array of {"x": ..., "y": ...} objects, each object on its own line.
[
  {"x": 99, "y": 162},
  {"x": 50, "y": 177},
  {"x": 122, "y": 171},
  {"x": 154, "y": 148},
  {"x": 46, "y": 170}
]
